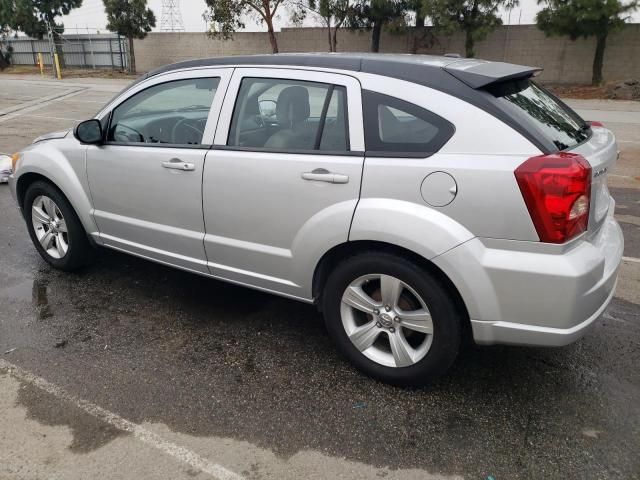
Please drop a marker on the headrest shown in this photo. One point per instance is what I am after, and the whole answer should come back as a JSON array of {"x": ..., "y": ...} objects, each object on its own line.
[{"x": 292, "y": 106}]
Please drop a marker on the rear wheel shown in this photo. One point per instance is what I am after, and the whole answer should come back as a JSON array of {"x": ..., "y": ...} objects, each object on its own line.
[
  {"x": 55, "y": 228},
  {"x": 394, "y": 320}
]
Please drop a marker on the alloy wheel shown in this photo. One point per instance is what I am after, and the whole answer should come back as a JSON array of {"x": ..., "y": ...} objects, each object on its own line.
[
  {"x": 386, "y": 320},
  {"x": 50, "y": 226}
]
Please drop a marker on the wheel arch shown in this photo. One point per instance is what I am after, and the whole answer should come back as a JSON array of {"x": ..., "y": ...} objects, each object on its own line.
[
  {"x": 80, "y": 198},
  {"x": 27, "y": 179},
  {"x": 344, "y": 250}
]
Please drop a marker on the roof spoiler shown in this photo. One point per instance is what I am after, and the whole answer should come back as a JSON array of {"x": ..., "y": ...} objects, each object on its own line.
[{"x": 481, "y": 73}]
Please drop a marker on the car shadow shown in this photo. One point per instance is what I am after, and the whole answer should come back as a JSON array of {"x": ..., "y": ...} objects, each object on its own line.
[{"x": 206, "y": 358}]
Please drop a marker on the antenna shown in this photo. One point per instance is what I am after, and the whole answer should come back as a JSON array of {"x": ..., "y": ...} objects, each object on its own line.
[{"x": 171, "y": 20}]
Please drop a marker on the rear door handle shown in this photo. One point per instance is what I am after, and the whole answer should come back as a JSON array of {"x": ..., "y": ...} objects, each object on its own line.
[
  {"x": 324, "y": 175},
  {"x": 177, "y": 164}
]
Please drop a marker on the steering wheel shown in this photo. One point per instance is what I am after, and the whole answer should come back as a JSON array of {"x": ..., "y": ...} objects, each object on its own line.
[
  {"x": 187, "y": 129},
  {"x": 124, "y": 133}
]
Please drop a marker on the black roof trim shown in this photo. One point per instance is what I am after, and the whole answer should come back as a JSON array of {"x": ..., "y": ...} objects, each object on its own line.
[
  {"x": 340, "y": 62},
  {"x": 474, "y": 73}
]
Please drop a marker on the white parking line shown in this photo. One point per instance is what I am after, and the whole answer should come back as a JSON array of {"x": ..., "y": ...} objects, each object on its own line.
[
  {"x": 36, "y": 101},
  {"x": 101, "y": 102},
  {"x": 631, "y": 259},
  {"x": 146, "y": 436},
  {"x": 51, "y": 118},
  {"x": 19, "y": 110}
]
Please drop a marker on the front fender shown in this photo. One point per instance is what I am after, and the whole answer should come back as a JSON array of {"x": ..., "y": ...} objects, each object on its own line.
[
  {"x": 65, "y": 168},
  {"x": 418, "y": 228}
]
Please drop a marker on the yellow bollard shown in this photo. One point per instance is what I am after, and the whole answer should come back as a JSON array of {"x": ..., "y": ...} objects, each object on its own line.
[
  {"x": 41, "y": 64},
  {"x": 57, "y": 66}
]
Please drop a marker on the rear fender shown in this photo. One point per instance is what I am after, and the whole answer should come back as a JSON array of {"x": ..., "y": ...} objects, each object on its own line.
[{"x": 418, "y": 228}]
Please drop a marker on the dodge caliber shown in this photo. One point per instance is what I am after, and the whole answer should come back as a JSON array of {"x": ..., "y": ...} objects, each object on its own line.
[{"x": 413, "y": 199}]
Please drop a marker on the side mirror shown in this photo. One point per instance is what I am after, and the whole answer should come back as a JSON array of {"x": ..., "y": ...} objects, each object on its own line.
[{"x": 89, "y": 132}]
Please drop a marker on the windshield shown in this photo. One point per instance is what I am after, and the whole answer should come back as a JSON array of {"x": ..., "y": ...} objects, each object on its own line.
[{"x": 556, "y": 121}]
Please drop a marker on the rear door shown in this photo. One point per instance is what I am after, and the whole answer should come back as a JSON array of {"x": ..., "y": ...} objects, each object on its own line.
[{"x": 283, "y": 178}]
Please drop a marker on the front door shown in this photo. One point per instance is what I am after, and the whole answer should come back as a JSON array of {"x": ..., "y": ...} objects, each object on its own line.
[
  {"x": 146, "y": 180},
  {"x": 282, "y": 180}
]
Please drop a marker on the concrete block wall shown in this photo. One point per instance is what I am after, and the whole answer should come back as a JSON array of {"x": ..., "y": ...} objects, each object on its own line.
[{"x": 563, "y": 60}]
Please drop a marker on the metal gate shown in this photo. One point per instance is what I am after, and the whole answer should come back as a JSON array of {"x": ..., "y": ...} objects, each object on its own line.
[{"x": 78, "y": 51}]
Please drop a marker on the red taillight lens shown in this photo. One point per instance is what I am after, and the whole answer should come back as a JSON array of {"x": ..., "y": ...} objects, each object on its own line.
[
  {"x": 595, "y": 123},
  {"x": 557, "y": 191}
]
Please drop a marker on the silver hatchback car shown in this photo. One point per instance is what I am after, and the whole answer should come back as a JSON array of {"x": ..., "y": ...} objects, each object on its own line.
[{"x": 412, "y": 198}]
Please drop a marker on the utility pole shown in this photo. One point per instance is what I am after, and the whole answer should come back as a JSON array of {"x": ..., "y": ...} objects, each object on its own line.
[
  {"x": 52, "y": 49},
  {"x": 93, "y": 57},
  {"x": 171, "y": 20},
  {"x": 506, "y": 37}
]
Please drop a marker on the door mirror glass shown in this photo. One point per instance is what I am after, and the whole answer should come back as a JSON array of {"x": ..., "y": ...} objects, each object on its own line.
[{"x": 89, "y": 131}]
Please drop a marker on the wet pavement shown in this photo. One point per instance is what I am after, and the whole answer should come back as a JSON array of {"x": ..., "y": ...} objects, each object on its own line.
[{"x": 251, "y": 381}]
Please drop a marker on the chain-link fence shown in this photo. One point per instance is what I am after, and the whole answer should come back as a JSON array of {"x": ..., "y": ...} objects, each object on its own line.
[{"x": 77, "y": 51}]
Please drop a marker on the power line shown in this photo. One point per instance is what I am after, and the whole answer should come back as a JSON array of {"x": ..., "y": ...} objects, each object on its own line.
[{"x": 171, "y": 20}]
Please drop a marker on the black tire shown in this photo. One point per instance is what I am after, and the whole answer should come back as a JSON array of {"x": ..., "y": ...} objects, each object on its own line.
[
  {"x": 446, "y": 317},
  {"x": 80, "y": 251}
]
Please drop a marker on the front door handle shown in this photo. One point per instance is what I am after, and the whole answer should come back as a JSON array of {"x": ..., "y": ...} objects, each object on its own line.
[
  {"x": 177, "y": 164},
  {"x": 324, "y": 175}
]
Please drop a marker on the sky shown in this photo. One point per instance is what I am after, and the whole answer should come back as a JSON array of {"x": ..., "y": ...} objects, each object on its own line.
[{"x": 91, "y": 16}]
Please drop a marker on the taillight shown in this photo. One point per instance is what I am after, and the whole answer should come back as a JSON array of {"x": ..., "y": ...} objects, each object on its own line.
[
  {"x": 595, "y": 123},
  {"x": 557, "y": 191}
]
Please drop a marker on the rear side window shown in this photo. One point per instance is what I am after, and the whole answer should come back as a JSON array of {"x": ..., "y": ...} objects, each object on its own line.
[
  {"x": 555, "y": 120},
  {"x": 287, "y": 115},
  {"x": 394, "y": 127}
]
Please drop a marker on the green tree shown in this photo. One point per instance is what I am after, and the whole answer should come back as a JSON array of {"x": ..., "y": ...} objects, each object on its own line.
[
  {"x": 131, "y": 19},
  {"x": 225, "y": 17},
  {"x": 419, "y": 33},
  {"x": 6, "y": 20},
  {"x": 333, "y": 13},
  {"x": 585, "y": 18},
  {"x": 35, "y": 17},
  {"x": 475, "y": 18},
  {"x": 412, "y": 25},
  {"x": 375, "y": 15}
]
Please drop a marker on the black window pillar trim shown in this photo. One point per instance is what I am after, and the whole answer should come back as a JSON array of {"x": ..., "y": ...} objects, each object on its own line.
[{"x": 323, "y": 117}]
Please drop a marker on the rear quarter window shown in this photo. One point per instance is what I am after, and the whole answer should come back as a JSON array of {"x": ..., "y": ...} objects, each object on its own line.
[{"x": 394, "y": 127}]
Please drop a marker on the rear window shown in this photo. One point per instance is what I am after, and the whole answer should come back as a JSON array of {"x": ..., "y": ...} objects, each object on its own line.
[{"x": 555, "y": 120}]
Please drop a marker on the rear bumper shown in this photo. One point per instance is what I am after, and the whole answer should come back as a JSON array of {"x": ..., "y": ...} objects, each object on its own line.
[
  {"x": 508, "y": 333},
  {"x": 527, "y": 293}
]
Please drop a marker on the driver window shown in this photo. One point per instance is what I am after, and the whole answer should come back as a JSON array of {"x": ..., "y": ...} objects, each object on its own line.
[{"x": 172, "y": 113}]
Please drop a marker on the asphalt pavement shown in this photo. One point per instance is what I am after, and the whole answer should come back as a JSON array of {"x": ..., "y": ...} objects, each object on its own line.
[{"x": 129, "y": 369}]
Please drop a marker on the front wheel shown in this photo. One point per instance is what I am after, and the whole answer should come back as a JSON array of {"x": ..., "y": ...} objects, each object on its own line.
[
  {"x": 55, "y": 228},
  {"x": 392, "y": 319}
]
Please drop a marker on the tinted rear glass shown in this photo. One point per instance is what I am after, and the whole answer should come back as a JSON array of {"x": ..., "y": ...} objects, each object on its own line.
[
  {"x": 393, "y": 127},
  {"x": 554, "y": 119}
]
